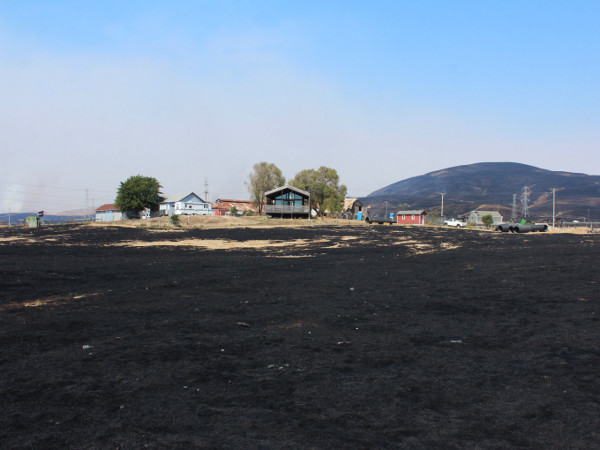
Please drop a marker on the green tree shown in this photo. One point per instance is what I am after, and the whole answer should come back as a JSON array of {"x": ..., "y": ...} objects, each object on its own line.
[
  {"x": 324, "y": 187},
  {"x": 138, "y": 193},
  {"x": 434, "y": 218},
  {"x": 263, "y": 178},
  {"x": 487, "y": 220},
  {"x": 233, "y": 211}
]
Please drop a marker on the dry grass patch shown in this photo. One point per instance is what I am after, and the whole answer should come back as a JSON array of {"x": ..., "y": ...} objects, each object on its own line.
[
  {"x": 225, "y": 244},
  {"x": 53, "y": 300},
  {"x": 421, "y": 248},
  {"x": 14, "y": 239}
]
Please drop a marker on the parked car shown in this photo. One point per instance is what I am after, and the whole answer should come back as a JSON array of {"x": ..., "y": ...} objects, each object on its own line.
[{"x": 455, "y": 223}]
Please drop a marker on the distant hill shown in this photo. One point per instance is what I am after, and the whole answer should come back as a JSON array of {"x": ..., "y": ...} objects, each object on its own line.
[
  {"x": 75, "y": 212},
  {"x": 51, "y": 217},
  {"x": 19, "y": 218},
  {"x": 490, "y": 186}
]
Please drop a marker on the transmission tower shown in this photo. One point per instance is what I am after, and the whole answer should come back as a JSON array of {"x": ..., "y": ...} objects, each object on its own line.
[{"x": 525, "y": 201}]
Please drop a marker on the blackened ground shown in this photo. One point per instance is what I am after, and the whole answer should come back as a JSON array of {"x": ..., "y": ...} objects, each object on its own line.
[{"x": 398, "y": 338}]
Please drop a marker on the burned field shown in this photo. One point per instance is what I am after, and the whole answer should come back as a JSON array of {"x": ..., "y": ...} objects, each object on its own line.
[{"x": 316, "y": 337}]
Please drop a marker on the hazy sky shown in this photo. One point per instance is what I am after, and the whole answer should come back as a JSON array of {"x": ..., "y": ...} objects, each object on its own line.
[{"x": 92, "y": 92}]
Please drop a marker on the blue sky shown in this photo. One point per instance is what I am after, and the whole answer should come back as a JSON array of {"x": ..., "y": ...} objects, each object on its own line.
[{"x": 92, "y": 92}]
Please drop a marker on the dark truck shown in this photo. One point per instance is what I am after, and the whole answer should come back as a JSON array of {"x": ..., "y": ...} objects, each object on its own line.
[{"x": 380, "y": 219}]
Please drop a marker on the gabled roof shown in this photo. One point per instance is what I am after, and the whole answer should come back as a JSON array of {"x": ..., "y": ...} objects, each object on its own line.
[
  {"x": 240, "y": 205},
  {"x": 173, "y": 198},
  {"x": 107, "y": 207},
  {"x": 349, "y": 203},
  {"x": 485, "y": 213},
  {"x": 416, "y": 212},
  {"x": 228, "y": 200},
  {"x": 291, "y": 188}
]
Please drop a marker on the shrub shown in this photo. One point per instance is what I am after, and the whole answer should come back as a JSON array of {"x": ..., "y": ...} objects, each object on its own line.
[{"x": 487, "y": 220}]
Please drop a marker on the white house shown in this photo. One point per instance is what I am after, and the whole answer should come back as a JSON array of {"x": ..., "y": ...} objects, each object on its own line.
[
  {"x": 475, "y": 217},
  {"x": 186, "y": 204}
]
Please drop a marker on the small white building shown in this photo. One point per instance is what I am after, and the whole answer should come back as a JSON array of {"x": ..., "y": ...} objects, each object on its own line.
[
  {"x": 476, "y": 216},
  {"x": 108, "y": 213},
  {"x": 184, "y": 204}
]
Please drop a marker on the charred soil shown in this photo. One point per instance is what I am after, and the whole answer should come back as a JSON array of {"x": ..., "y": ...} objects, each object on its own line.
[{"x": 317, "y": 337}]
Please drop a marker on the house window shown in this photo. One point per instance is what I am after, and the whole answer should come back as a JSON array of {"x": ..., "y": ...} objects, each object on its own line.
[
  {"x": 403, "y": 217},
  {"x": 289, "y": 199},
  {"x": 413, "y": 217}
]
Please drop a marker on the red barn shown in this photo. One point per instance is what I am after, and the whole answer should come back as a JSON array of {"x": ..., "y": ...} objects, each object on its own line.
[{"x": 416, "y": 217}]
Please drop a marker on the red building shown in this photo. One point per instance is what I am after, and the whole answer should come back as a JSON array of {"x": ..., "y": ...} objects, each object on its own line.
[
  {"x": 416, "y": 217},
  {"x": 217, "y": 211},
  {"x": 222, "y": 206}
]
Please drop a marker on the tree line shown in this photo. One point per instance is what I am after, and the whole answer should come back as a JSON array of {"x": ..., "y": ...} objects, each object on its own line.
[{"x": 139, "y": 192}]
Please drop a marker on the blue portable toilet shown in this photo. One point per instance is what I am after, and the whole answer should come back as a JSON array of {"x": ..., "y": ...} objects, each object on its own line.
[{"x": 359, "y": 215}]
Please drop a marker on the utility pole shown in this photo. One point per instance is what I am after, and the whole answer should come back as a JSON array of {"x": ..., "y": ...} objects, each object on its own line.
[
  {"x": 442, "y": 210},
  {"x": 553, "y": 205},
  {"x": 9, "y": 217},
  {"x": 87, "y": 203},
  {"x": 206, "y": 190},
  {"x": 386, "y": 203}
]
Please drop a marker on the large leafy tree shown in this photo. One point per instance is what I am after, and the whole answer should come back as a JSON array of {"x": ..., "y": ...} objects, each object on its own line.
[
  {"x": 138, "y": 193},
  {"x": 263, "y": 178},
  {"x": 324, "y": 187}
]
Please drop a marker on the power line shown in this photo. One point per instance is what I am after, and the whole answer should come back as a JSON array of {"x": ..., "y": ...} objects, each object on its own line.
[
  {"x": 45, "y": 186},
  {"x": 42, "y": 205},
  {"x": 42, "y": 195}
]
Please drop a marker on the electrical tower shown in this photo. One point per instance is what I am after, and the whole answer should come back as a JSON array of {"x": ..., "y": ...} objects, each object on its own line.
[{"x": 525, "y": 201}]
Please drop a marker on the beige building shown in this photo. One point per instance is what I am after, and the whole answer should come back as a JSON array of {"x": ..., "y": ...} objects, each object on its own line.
[{"x": 474, "y": 218}]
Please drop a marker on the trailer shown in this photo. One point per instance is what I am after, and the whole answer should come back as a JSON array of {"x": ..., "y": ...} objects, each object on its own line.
[{"x": 522, "y": 227}]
